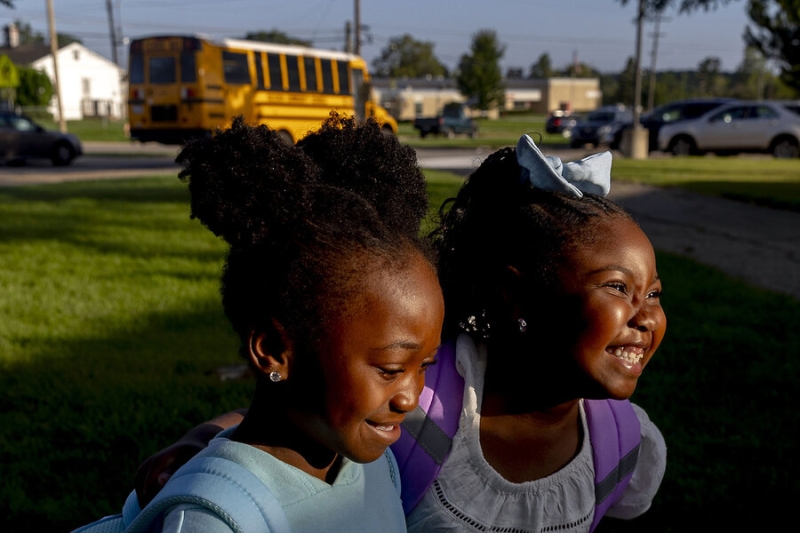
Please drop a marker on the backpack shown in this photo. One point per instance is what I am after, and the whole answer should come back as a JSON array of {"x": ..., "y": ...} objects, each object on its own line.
[
  {"x": 226, "y": 488},
  {"x": 429, "y": 430}
]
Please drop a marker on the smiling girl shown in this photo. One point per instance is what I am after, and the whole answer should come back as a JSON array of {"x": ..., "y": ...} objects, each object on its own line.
[{"x": 338, "y": 310}]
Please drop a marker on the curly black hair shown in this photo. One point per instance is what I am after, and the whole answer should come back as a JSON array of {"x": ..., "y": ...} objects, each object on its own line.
[
  {"x": 496, "y": 221},
  {"x": 306, "y": 222}
]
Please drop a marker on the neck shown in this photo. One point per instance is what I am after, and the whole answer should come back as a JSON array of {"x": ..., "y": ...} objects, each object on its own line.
[{"x": 269, "y": 427}]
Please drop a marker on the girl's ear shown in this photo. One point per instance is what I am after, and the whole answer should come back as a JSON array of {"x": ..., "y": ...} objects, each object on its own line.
[{"x": 271, "y": 352}]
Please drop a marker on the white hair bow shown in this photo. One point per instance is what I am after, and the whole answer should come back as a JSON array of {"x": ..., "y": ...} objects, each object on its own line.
[{"x": 589, "y": 175}]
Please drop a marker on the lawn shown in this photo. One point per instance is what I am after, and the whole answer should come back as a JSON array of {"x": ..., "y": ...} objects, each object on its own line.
[{"x": 111, "y": 331}]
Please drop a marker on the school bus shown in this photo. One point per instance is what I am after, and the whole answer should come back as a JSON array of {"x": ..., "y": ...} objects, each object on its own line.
[{"x": 184, "y": 87}]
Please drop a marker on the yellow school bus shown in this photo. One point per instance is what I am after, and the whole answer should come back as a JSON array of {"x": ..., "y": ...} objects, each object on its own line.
[{"x": 184, "y": 87}]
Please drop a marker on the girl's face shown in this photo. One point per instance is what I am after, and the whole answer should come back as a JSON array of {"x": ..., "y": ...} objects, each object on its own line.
[
  {"x": 613, "y": 287},
  {"x": 373, "y": 363}
]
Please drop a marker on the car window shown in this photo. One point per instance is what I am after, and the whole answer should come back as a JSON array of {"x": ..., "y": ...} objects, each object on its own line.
[
  {"x": 22, "y": 124},
  {"x": 731, "y": 114},
  {"x": 763, "y": 111},
  {"x": 794, "y": 108},
  {"x": 601, "y": 116}
]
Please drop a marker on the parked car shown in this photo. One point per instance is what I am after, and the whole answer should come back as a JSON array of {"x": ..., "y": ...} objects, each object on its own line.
[
  {"x": 561, "y": 122},
  {"x": 759, "y": 126},
  {"x": 21, "y": 138},
  {"x": 587, "y": 130},
  {"x": 451, "y": 121},
  {"x": 611, "y": 134}
]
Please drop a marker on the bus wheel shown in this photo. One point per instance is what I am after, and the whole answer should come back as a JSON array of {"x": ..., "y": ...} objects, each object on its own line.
[
  {"x": 387, "y": 131},
  {"x": 286, "y": 137}
]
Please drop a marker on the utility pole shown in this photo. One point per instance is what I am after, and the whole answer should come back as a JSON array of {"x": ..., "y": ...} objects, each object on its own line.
[
  {"x": 348, "y": 37},
  {"x": 637, "y": 142},
  {"x": 357, "y": 28},
  {"x": 51, "y": 19},
  {"x": 651, "y": 87},
  {"x": 112, "y": 32}
]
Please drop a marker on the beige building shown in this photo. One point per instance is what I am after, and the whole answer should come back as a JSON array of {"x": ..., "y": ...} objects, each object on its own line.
[{"x": 407, "y": 99}]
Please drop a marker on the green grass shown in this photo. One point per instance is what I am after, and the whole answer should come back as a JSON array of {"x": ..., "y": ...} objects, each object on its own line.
[
  {"x": 763, "y": 181},
  {"x": 92, "y": 129},
  {"x": 495, "y": 133},
  {"x": 111, "y": 327}
]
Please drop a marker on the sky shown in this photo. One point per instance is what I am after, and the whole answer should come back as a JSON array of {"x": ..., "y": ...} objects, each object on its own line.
[{"x": 600, "y": 33}]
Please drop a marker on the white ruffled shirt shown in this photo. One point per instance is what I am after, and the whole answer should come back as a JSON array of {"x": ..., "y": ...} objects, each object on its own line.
[{"x": 469, "y": 495}]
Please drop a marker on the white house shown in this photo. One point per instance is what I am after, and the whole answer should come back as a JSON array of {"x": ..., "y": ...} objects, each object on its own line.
[{"x": 91, "y": 85}]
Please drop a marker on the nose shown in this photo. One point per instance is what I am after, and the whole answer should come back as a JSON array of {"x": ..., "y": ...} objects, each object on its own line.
[
  {"x": 406, "y": 397},
  {"x": 644, "y": 319}
]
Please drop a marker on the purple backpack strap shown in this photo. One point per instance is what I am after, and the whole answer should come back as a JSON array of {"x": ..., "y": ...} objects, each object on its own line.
[
  {"x": 614, "y": 452},
  {"x": 428, "y": 431}
]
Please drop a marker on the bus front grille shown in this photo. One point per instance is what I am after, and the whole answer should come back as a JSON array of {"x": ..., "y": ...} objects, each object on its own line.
[{"x": 164, "y": 113}]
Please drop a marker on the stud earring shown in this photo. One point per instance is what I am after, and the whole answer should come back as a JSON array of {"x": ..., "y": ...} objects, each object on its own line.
[
  {"x": 274, "y": 377},
  {"x": 523, "y": 325}
]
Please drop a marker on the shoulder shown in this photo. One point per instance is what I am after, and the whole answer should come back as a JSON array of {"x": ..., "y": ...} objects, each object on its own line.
[
  {"x": 188, "y": 518},
  {"x": 649, "y": 471}
]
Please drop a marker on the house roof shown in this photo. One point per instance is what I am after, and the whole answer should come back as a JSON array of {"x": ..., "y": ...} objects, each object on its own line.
[{"x": 26, "y": 54}]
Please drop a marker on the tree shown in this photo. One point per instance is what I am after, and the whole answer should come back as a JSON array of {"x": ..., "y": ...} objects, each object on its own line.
[
  {"x": 275, "y": 36},
  {"x": 63, "y": 39},
  {"x": 684, "y": 6},
  {"x": 27, "y": 35},
  {"x": 35, "y": 89},
  {"x": 7, "y": 3},
  {"x": 776, "y": 34},
  {"x": 479, "y": 77},
  {"x": 406, "y": 57},
  {"x": 711, "y": 82},
  {"x": 543, "y": 68}
]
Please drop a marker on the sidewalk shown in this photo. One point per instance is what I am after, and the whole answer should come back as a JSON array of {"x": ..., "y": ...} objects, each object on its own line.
[{"x": 756, "y": 244}]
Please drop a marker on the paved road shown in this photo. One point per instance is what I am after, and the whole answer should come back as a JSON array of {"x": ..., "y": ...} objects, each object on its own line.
[{"x": 759, "y": 245}]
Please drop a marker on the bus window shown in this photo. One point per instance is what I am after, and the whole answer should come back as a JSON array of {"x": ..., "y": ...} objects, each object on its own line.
[
  {"x": 235, "y": 67},
  {"x": 361, "y": 93},
  {"x": 275, "y": 77},
  {"x": 188, "y": 67},
  {"x": 344, "y": 78},
  {"x": 259, "y": 57},
  {"x": 327, "y": 76},
  {"x": 136, "y": 69},
  {"x": 162, "y": 70},
  {"x": 311, "y": 74},
  {"x": 293, "y": 72}
]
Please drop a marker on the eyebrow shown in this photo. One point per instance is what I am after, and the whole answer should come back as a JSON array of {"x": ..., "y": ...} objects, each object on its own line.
[{"x": 624, "y": 270}]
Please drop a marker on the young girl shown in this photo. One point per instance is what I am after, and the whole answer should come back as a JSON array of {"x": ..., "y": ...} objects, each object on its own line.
[
  {"x": 552, "y": 301},
  {"x": 338, "y": 310}
]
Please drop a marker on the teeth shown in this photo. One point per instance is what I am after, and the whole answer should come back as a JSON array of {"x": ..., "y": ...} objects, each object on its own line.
[
  {"x": 630, "y": 357},
  {"x": 384, "y": 428}
]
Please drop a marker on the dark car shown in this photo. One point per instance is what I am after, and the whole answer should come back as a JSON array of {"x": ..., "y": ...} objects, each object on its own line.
[
  {"x": 21, "y": 138},
  {"x": 664, "y": 114},
  {"x": 560, "y": 122},
  {"x": 453, "y": 120},
  {"x": 587, "y": 130}
]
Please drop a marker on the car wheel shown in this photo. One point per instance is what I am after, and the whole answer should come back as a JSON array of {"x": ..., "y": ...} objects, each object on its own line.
[
  {"x": 62, "y": 155},
  {"x": 473, "y": 134},
  {"x": 682, "y": 146},
  {"x": 286, "y": 137},
  {"x": 423, "y": 134},
  {"x": 451, "y": 134},
  {"x": 785, "y": 148}
]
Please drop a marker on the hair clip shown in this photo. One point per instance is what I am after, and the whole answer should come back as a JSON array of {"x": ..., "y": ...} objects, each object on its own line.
[{"x": 589, "y": 175}]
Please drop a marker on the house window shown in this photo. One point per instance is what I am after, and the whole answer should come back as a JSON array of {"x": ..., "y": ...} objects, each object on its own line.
[
  {"x": 418, "y": 108},
  {"x": 76, "y": 55},
  {"x": 86, "y": 86}
]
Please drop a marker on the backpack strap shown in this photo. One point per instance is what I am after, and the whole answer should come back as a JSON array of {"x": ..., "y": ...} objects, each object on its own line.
[
  {"x": 226, "y": 488},
  {"x": 428, "y": 430},
  {"x": 615, "y": 453}
]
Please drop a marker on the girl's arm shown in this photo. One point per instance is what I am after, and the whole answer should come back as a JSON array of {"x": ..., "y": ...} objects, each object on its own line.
[{"x": 154, "y": 472}]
